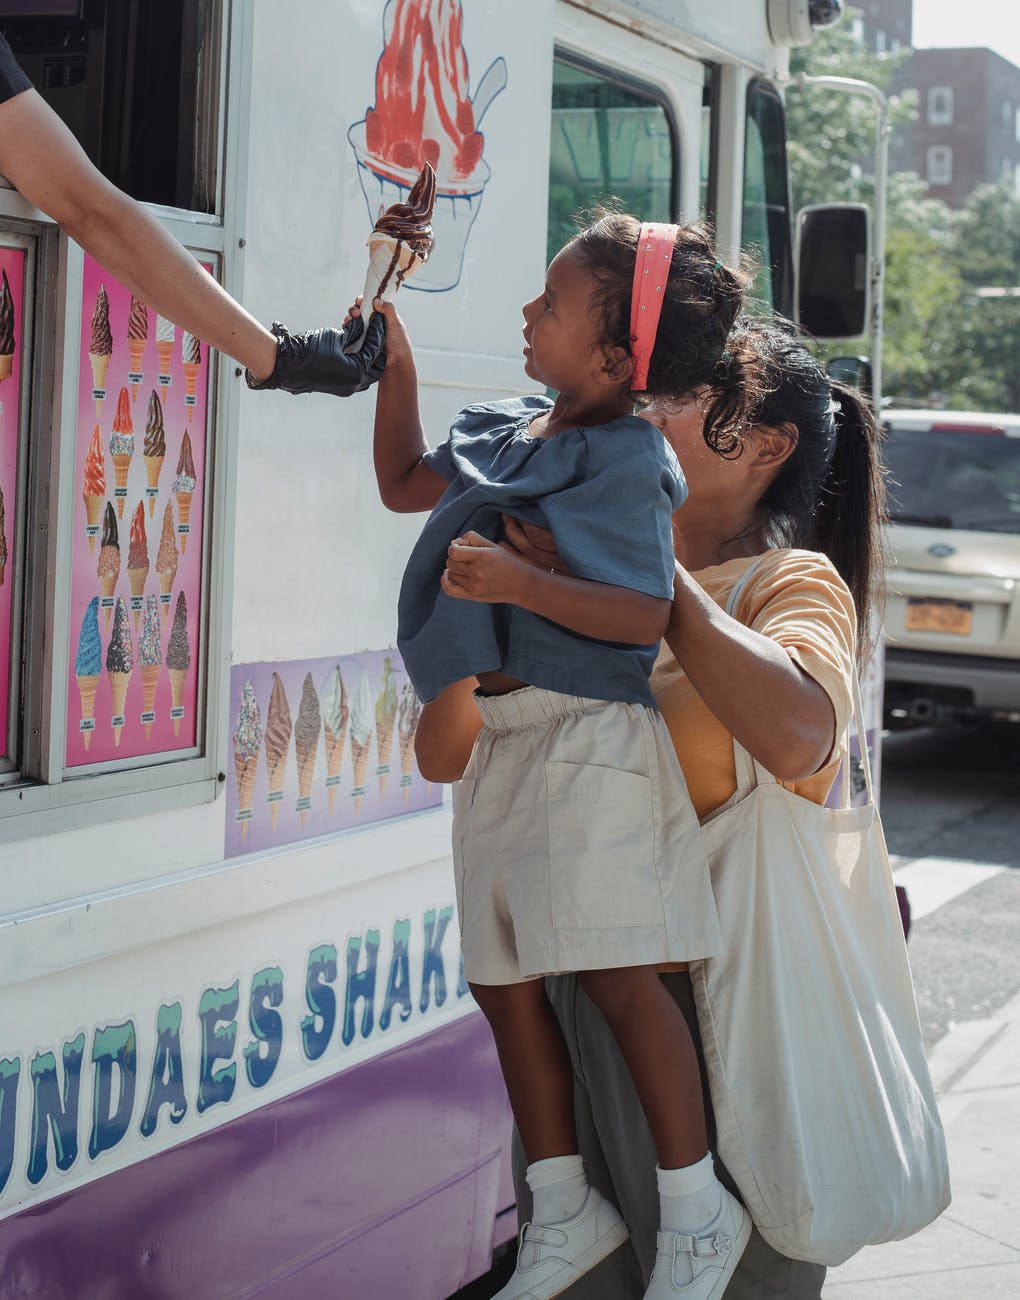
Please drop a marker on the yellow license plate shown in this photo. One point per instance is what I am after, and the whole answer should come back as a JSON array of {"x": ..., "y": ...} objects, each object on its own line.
[{"x": 951, "y": 616}]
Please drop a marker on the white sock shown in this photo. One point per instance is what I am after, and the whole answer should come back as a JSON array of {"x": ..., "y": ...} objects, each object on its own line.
[
  {"x": 689, "y": 1198},
  {"x": 558, "y": 1188}
]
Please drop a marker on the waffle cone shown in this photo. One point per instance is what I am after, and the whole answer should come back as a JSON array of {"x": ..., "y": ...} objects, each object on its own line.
[
  {"x": 306, "y": 773},
  {"x": 93, "y": 513},
  {"x": 334, "y": 760},
  {"x": 107, "y": 586},
  {"x": 136, "y": 350},
  {"x": 121, "y": 464},
  {"x": 153, "y": 469},
  {"x": 359, "y": 753},
  {"x": 177, "y": 677},
  {"x": 277, "y": 767},
  {"x": 137, "y": 577},
  {"x": 119, "y": 683},
  {"x": 190, "y": 380},
  {"x": 383, "y": 745},
  {"x": 87, "y": 683},
  {"x": 150, "y": 679},
  {"x": 6, "y": 365},
  {"x": 245, "y": 769},
  {"x": 164, "y": 350},
  {"x": 386, "y": 258},
  {"x": 183, "y": 516},
  {"x": 100, "y": 365}
]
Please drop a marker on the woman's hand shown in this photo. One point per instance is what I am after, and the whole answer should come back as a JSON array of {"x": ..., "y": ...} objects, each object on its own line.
[
  {"x": 477, "y": 569},
  {"x": 534, "y": 544},
  {"x": 318, "y": 361}
]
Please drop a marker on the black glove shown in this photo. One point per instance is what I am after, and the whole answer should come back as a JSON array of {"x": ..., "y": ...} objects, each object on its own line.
[{"x": 317, "y": 362}]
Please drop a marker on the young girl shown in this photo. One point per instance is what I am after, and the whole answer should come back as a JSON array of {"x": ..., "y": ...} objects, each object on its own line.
[{"x": 576, "y": 847}]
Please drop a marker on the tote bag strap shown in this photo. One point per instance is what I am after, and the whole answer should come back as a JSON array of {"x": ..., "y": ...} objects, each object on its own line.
[{"x": 748, "y": 772}]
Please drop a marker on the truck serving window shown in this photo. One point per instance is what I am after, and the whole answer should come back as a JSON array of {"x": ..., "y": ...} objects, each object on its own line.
[
  {"x": 766, "y": 223},
  {"x": 609, "y": 138},
  {"x": 139, "y": 85}
]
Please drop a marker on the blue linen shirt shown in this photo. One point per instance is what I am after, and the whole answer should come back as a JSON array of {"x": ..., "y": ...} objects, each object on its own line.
[{"x": 608, "y": 494}]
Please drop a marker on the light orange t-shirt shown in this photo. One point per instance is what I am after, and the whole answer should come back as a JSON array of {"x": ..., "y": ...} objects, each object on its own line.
[{"x": 798, "y": 600}]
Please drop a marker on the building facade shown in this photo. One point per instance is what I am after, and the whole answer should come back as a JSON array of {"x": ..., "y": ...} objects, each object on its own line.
[{"x": 884, "y": 25}]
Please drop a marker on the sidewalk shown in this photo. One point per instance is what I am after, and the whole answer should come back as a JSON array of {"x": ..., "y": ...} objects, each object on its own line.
[{"x": 973, "y": 1250}]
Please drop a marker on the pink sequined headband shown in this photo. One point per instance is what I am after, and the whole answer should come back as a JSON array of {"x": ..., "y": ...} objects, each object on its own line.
[{"x": 651, "y": 271}]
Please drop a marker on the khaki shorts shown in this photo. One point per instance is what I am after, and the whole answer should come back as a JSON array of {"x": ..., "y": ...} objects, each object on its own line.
[{"x": 575, "y": 844}]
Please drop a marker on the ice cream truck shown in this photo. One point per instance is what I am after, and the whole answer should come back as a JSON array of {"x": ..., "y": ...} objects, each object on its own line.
[{"x": 237, "y": 1053}]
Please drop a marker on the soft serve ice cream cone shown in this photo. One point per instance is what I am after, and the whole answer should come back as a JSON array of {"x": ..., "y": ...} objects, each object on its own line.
[
  {"x": 150, "y": 659},
  {"x": 87, "y": 665},
  {"x": 247, "y": 742},
  {"x": 137, "y": 337},
  {"x": 279, "y": 730},
  {"x": 166, "y": 559},
  {"x": 306, "y": 744},
  {"x": 100, "y": 347},
  {"x": 122, "y": 448},
  {"x": 400, "y": 243},
  {"x": 6, "y": 329},
  {"x": 362, "y": 726},
  {"x": 108, "y": 569},
  {"x": 336, "y": 715},
  {"x": 178, "y": 660},
  {"x": 120, "y": 662},
  {"x": 408, "y": 714},
  {"x": 94, "y": 489}
]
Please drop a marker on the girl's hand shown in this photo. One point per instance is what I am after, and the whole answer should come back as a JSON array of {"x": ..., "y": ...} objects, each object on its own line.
[
  {"x": 535, "y": 544},
  {"x": 398, "y": 342},
  {"x": 477, "y": 569}
]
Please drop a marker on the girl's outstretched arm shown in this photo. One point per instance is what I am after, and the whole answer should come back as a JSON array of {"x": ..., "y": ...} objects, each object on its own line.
[
  {"x": 477, "y": 569},
  {"x": 446, "y": 733},
  {"x": 406, "y": 483}
]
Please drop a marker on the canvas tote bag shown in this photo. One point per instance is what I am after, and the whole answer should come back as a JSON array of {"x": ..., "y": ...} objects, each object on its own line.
[{"x": 824, "y": 1105}]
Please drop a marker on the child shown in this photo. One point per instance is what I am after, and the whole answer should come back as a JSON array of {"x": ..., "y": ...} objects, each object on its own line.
[{"x": 575, "y": 844}]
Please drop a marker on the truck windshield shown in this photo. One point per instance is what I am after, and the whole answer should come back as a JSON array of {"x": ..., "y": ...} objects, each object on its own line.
[{"x": 954, "y": 479}]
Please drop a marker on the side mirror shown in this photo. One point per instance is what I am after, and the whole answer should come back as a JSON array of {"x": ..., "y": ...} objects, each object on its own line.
[
  {"x": 833, "y": 282},
  {"x": 855, "y": 372}
]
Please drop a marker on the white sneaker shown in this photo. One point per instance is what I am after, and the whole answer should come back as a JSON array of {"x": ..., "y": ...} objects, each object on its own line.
[
  {"x": 699, "y": 1268},
  {"x": 552, "y": 1258}
]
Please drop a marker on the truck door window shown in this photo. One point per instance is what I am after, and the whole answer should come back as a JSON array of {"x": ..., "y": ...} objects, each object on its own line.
[
  {"x": 766, "y": 221},
  {"x": 609, "y": 138}
]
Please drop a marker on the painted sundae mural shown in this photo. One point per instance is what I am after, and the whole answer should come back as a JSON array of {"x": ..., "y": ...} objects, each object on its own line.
[{"x": 424, "y": 112}]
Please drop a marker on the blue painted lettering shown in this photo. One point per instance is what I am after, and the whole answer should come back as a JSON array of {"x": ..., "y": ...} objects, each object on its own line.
[
  {"x": 432, "y": 962},
  {"x": 166, "y": 1086},
  {"x": 55, "y": 1109},
  {"x": 317, "y": 1028},
  {"x": 398, "y": 984},
  {"x": 360, "y": 984},
  {"x": 217, "y": 1011},
  {"x": 9, "y": 1071},
  {"x": 112, "y": 1047},
  {"x": 261, "y": 1056}
]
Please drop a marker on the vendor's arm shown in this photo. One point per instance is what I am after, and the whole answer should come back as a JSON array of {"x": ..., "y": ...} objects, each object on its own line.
[
  {"x": 780, "y": 715},
  {"x": 447, "y": 730},
  {"x": 42, "y": 159},
  {"x": 477, "y": 569},
  {"x": 406, "y": 483}
]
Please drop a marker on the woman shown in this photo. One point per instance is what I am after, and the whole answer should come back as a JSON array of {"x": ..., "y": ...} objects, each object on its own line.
[{"x": 798, "y": 496}]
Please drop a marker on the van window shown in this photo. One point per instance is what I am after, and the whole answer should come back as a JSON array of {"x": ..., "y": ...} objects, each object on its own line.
[
  {"x": 954, "y": 479},
  {"x": 766, "y": 224},
  {"x": 608, "y": 139}
]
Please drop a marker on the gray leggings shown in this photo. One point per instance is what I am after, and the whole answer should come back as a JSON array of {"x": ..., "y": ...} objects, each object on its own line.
[{"x": 620, "y": 1160}]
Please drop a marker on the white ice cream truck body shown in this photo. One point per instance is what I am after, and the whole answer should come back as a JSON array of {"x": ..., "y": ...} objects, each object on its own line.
[{"x": 237, "y": 1054}]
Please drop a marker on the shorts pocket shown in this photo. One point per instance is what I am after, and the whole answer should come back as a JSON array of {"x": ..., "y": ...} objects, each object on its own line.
[
  {"x": 463, "y": 798},
  {"x": 601, "y": 855}
]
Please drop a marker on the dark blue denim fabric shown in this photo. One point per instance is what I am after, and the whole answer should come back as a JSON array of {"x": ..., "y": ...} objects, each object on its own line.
[{"x": 608, "y": 493}]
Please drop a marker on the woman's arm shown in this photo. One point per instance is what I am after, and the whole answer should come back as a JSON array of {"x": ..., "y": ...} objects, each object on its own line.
[
  {"x": 477, "y": 569},
  {"x": 780, "y": 715},
  {"x": 446, "y": 733},
  {"x": 42, "y": 159},
  {"x": 406, "y": 483}
]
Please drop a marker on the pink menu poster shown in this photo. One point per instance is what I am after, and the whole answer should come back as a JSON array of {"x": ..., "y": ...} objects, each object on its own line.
[
  {"x": 319, "y": 746},
  {"x": 136, "y": 575},
  {"x": 12, "y": 295}
]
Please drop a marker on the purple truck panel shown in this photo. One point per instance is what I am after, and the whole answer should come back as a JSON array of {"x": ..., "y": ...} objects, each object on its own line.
[{"x": 385, "y": 1181}]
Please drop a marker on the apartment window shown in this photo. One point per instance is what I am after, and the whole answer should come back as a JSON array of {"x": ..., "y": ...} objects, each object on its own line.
[
  {"x": 857, "y": 30},
  {"x": 940, "y": 106},
  {"x": 940, "y": 165},
  {"x": 880, "y": 44},
  {"x": 894, "y": 45}
]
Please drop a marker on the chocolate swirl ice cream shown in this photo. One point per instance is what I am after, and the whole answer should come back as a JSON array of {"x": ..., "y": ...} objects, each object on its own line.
[{"x": 411, "y": 222}]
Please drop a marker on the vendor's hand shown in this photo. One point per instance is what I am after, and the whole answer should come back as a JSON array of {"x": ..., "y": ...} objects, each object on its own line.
[
  {"x": 477, "y": 569},
  {"x": 316, "y": 362},
  {"x": 535, "y": 544}
]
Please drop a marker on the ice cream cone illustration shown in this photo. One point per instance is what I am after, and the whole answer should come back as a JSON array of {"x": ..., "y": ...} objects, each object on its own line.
[
  {"x": 407, "y": 725},
  {"x": 119, "y": 666},
  {"x": 108, "y": 569},
  {"x": 400, "y": 243},
  {"x": 100, "y": 347},
  {"x": 385, "y": 721},
  {"x": 183, "y": 487},
  {"x": 138, "y": 560},
  {"x": 166, "y": 559},
  {"x": 277, "y": 741},
  {"x": 191, "y": 355},
  {"x": 95, "y": 488},
  {"x": 362, "y": 726},
  {"x": 178, "y": 660},
  {"x": 425, "y": 112},
  {"x": 6, "y": 329},
  {"x": 88, "y": 663},
  {"x": 306, "y": 743},
  {"x": 137, "y": 337},
  {"x": 122, "y": 448},
  {"x": 3, "y": 538},
  {"x": 154, "y": 449},
  {"x": 165, "y": 333},
  {"x": 150, "y": 659},
  {"x": 335, "y": 718},
  {"x": 247, "y": 741}
]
